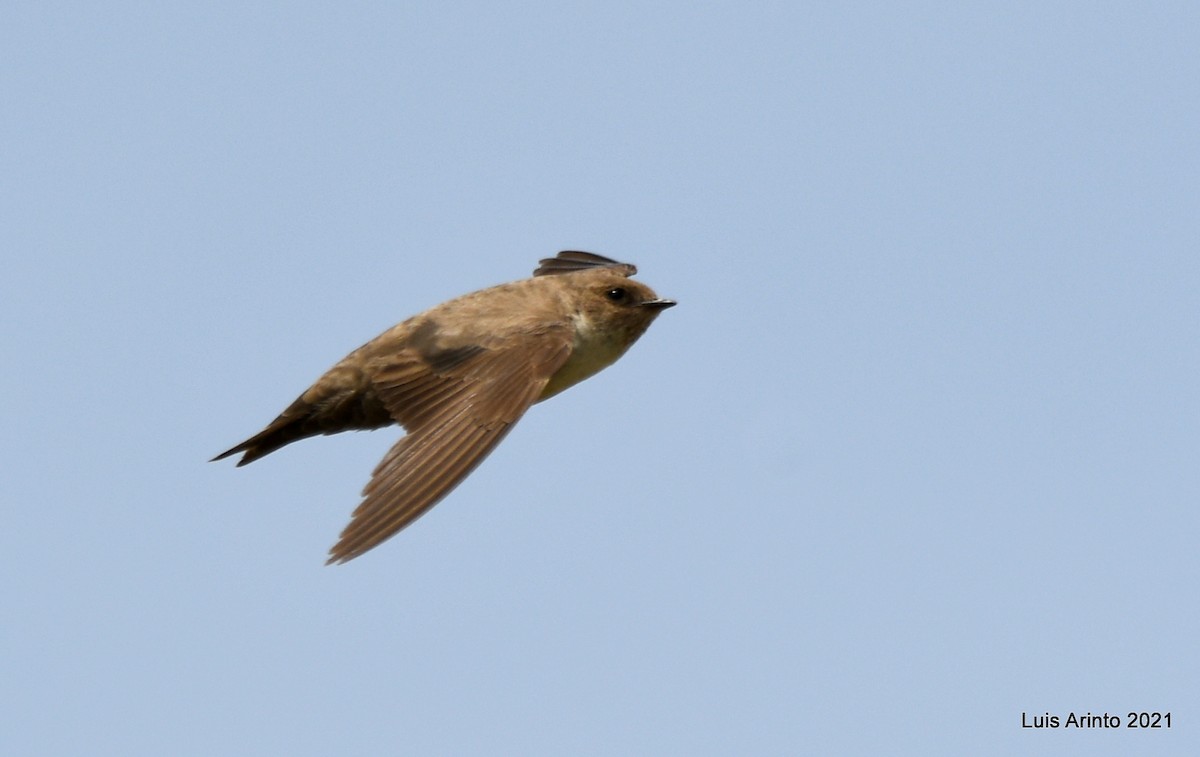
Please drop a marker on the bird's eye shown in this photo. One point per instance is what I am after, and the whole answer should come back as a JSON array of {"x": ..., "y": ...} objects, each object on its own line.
[{"x": 617, "y": 294}]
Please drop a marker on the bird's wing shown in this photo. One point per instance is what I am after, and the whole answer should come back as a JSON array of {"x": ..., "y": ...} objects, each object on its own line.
[
  {"x": 569, "y": 261},
  {"x": 457, "y": 406}
]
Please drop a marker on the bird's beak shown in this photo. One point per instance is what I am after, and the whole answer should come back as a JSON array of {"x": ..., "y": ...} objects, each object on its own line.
[{"x": 659, "y": 304}]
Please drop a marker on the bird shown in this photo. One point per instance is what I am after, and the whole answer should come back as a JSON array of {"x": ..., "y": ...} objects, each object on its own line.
[{"x": 458, "y": 376}]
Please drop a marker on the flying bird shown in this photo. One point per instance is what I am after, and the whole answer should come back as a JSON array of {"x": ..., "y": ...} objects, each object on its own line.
[{"x": 458, "y": 376}]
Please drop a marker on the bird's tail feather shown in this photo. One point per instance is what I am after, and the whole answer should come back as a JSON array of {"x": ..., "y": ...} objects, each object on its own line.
[{"x": 293, "y": 424}]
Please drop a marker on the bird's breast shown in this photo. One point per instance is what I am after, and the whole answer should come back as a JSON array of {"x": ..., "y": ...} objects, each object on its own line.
[{"x": 592, "y": 350}]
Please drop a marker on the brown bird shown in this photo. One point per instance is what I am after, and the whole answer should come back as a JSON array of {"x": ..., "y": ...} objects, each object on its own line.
[{"x": 458, "y": 376}]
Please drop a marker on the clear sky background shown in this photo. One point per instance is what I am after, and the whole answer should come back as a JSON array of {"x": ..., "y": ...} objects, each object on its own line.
[{"x": 916, "y": 452}]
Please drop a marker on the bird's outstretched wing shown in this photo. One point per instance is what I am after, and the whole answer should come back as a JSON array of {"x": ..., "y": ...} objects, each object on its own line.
[
  {"x": 569, "y": 261},
  {"x": 457, "y": 405}
]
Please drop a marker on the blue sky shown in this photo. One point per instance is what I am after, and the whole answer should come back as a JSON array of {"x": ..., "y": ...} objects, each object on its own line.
[{"x": 915, "y": 454}]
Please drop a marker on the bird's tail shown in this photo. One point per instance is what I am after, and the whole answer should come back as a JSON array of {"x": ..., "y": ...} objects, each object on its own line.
[{"x": 295, "y": 423}]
